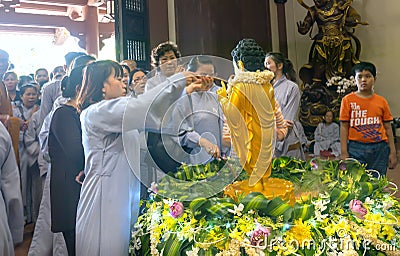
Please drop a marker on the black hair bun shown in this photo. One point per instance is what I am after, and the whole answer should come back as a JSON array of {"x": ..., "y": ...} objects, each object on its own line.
[{"x": 64, "y": 83}]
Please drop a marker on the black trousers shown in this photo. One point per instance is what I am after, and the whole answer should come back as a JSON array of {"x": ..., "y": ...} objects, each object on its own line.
[{"x": 69, "y": 237}]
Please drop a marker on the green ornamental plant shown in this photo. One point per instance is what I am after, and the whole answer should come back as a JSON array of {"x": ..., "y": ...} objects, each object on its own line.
[{"x": 341, "y": 209}]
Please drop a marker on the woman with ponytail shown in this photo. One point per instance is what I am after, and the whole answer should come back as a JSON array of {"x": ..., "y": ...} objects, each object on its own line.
[{"x": 287, "y": 93}]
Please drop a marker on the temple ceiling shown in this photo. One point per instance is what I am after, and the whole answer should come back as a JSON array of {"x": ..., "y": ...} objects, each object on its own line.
[{"x": 46, "y": 16}]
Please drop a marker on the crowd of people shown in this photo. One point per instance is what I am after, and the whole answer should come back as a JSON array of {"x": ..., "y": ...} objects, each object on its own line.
[{"x": 62, "y": 156}]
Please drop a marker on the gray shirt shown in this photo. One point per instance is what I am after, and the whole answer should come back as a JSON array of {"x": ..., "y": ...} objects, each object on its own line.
[
  {"x": 50, "y": 92},
  {"x": 157, "y": 79},
  {"x": 203, "y": 118},
  {"x": 11, "y": 210},
  {"x": 288, "y": 95}
]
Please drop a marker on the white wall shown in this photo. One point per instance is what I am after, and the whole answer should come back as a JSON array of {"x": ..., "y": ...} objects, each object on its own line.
[{"x": 379, "y": 42}]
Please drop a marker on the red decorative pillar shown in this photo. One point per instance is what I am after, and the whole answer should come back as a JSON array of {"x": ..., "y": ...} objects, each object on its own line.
[{"x": 92, "y": 30}]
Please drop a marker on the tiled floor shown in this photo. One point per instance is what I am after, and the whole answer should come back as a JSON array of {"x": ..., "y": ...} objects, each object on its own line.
[{"x": 22, "y": 249}]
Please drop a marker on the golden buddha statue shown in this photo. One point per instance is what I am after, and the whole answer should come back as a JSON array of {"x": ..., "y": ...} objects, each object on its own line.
[{"x": 249, "y": 105}]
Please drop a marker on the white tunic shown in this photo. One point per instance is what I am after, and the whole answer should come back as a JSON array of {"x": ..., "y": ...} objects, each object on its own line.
[
  {"x": 327, "y": 137},
  {"x": 11, "y": 211},
  {"x": 109, "y": 202}
]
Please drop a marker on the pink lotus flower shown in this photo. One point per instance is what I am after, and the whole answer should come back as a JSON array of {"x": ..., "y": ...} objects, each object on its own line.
[
  {"x": 357, "y": 207},
  {"x": 258, "y": 236},
  {"x": 176, "y": 209}
]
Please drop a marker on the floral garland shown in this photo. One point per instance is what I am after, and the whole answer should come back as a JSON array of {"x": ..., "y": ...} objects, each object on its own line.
[
  {"x": 258, "y": 77},
  {"x": 341, "y": 210}
]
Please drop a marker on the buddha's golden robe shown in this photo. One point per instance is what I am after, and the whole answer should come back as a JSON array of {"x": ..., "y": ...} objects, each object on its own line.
[{"x": 249, "y": 110}]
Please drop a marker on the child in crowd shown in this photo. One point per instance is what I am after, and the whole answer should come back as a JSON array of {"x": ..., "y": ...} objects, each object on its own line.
[
  {"x": 327, "y": 140},
  {"x": 365, "y": 130}
]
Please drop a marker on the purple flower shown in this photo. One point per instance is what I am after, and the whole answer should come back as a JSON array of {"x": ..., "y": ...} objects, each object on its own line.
[
  {"x": 258, "y": 235},
  {"x": 342, "y": 166},
  {"x": 357, "y": 207},
  {"x": 314, "y": 165},
  {"x": 176, "y": 209}
]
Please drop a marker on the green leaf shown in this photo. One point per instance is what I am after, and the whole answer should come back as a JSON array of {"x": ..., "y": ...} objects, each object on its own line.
[
  {"x": 277, "y": 207},
  {"x": 199, "y": 207},
  {"x": 145, "y": 240},
  {"x": 254, "y": 201},
  {"x": 303, "y": 212},
  {"x": 172, "y": 246},
  {"x": 338, "y": 195},
  {"x": 367, "y": 188},
  {"x": 219, "y": 208}
]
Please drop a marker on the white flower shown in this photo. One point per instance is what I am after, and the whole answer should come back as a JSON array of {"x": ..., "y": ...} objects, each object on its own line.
[
  {"x": 193, "y": 252},
  {"x": 324, "y": 196},
  {"x": 387, "y": 205},
  {"x": 319, "y": 205},
  {"x": 260, "y": 252},
  {"x": 237, "y": 210},
  {"x": 368, "y": 201},
  {"x": 168, "y": 201},
  {"x": 138, "y": 244},
  {"x": 341, "y": 83},
  {"x": 319, "y": 216}
]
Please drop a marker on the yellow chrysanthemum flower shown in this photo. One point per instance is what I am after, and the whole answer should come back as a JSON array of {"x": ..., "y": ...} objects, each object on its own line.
[{"x": 301, "y": 232}]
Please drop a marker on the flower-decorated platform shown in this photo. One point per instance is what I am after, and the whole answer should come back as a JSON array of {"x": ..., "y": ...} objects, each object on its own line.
[{"x": 340, "y": 209}]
